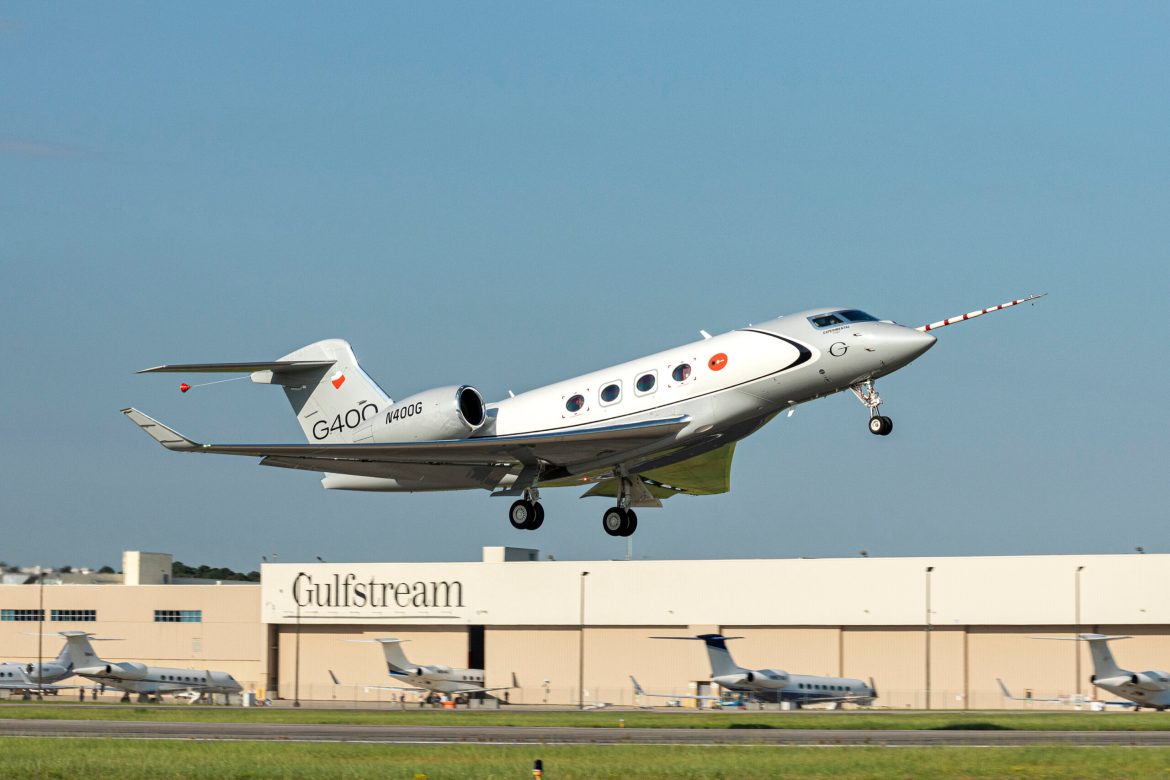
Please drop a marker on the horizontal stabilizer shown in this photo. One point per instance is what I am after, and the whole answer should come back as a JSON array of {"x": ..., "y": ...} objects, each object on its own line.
[
  {"x": 172, "y": 440},
  {"x": 275, "y": 366}
]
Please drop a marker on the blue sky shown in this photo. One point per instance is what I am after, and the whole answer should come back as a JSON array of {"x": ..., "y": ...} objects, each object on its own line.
[{"x": 509, "y": 194}]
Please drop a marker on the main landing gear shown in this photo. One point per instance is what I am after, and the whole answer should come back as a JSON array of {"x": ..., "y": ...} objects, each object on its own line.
[
  {"x": 621, "y": 520},
  {"x": 527, "y": 514},
  {"x": 879, "y": 425}
]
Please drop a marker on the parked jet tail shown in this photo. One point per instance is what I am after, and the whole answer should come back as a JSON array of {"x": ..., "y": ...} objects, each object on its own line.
[
  {"x": 1103, "y": 664},
  {"x": 721, "y": 661},
  {"x": 79, "y": 651},
  {"x": 396, "y": 660},
  {"x": 329, "y": 392}
]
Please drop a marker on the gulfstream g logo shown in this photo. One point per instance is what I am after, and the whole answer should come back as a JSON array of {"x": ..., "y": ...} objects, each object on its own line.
[{"x": 348, "y": 591}]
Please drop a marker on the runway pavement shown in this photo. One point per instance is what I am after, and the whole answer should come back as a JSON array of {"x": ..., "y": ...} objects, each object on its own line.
[{"x": 565, "y": 735}]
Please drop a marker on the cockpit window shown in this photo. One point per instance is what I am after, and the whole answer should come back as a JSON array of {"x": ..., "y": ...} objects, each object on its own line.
[
  {"x": 825, "y": 320},
  {"x": 856, "y": 315}
]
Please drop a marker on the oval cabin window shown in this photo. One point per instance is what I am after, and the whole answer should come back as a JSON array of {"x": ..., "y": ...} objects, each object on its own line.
[
  {"x": 645, "y": 383},
  {"x": 611, "y": 393},
  {"x": 681, "y": 372},
  {"x": 575, "y": 403}
]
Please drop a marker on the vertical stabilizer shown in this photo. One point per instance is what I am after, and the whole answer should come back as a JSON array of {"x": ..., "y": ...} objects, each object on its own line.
[
  {"x": 78, "y": 653},
  {"x": 330, "y": 402},
  {"x": 721, "y": 661},
  {"x": 1103, "y": 664},
  {"x": 396, "y": 660}
]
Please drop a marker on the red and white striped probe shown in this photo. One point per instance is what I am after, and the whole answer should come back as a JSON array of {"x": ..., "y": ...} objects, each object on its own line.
[{"x": 972, "y": 315}]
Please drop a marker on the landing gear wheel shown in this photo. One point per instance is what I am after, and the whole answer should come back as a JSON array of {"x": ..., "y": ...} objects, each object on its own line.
[
  {"x": 537, "y": 517},
  {"x": 521, "y": 514},
  {"x": 880, "y": 425},
  {"x": 614, "y": 521},
  {"x": 631, "y": 523}
]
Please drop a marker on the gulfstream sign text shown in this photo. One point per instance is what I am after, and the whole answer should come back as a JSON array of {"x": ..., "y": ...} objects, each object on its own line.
[{"x": 347, "y": 591}]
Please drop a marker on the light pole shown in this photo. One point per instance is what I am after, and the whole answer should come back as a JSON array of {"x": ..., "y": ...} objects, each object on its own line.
[
  {"x": 41, "y": 639},
  {"x": 929, "y": 569},
  {"x": 297, "y": 657},
  {"x": 581, "y": 648},
  {"x": 1077, "y": 618}
]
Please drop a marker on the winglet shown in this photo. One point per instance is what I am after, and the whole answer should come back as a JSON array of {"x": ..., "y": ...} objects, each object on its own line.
[
  {"x": 172, "y": 440},
  {"x": 1006, "y": 693},
  {"x": 637, "y": 688}
]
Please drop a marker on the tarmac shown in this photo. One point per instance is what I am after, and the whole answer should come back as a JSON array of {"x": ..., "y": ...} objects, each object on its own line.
[{"x": 525, "y": 735}]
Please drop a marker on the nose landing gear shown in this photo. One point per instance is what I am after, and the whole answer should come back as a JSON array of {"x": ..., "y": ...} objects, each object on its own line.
[
  {"x": 527, "y": 514},
  {"x": 879, "y": 425}
]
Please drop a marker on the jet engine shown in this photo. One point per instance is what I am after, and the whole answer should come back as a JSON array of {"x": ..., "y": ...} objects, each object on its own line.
[
  {"x": 1151, "y": 681},
  {"x": 453, "y": 412},
  {"x": 129, "y": 670}
]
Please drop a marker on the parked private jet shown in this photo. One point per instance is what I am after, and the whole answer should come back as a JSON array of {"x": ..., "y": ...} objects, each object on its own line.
[
  {"x": 1138, "y": 689},
  {"x": 772, "y": 684},
  {"x": 432, "y": 678},
  {"x": 145, "y": 680},
  {"x": 637, "y": 432},
  {"x": 33, "y": 677}
]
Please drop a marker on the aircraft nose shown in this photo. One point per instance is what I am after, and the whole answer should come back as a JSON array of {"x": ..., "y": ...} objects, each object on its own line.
[{"x": 906, "y": 344}]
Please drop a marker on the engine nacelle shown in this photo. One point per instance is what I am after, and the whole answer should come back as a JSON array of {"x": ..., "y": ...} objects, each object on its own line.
[
  {"x": 732, "y": 680},
  {"x": 128, "y": 670},
  {"x": 1151, "y": 681},
  {"x": 453, "y": 412}
]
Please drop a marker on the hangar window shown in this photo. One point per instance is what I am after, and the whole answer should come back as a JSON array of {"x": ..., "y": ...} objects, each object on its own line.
[
  {"x": 178, "y": 616},
  {"x": 646, "y": 383},
  {"x": 22, "y": 615},
  {"x": 74, "y": 615},
  {"x": 611, "y": 393},
  {"x": 575, "y": 403},
  {"x": 826, "y": 320},
  {"x": 681, "y": 372},
  {"x": 856, "y": 315}
]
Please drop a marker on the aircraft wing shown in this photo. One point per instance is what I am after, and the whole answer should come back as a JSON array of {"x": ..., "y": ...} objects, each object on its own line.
[
  {"x": 640, "y": 692},
  {"x": 32, "y": 686},
  {"x": 702, "y": 475},
  {"x": 564, "y": 447},
  {"x": 1108, "y": 703}
]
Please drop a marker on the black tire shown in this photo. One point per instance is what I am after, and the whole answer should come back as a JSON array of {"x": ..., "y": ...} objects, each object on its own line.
[
  {"x": 537, "y": 517},
  {"x": 614, "y": 521},
  {"x": 631, "y": 523},
  {"x": 877, "y": 425},
  {"x": 521, "y": 514},
  {"x": 888, "y": 425}
]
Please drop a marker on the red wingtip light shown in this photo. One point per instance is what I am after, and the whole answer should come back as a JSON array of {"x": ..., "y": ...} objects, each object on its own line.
[{"x": 184, "y": 387}]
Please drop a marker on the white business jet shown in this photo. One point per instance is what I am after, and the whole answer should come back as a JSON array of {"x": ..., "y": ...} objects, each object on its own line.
[
  {"x": 145, "y": 680},
  {"x": 637, "y": 432},
  {"x": 34, "y": 677},
  {"x": 433, "y": 678},
  {"x": 1138, "y": 689},
  {"x": 773, "y": 685}
]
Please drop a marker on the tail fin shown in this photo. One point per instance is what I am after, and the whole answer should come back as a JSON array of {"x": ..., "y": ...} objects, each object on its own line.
[
  {"x": 332, "y": 401},
  {"x": 78, "y": 653},
  {"x": 396, "y": 660},
  {"x": 328, "y": 390},
  {"x": 721, "y": 661},
  {"x": 1103, "y": 664}
]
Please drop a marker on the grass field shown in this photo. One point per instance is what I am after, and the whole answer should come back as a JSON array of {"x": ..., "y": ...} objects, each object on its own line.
[
  {"x": 863, "y": 719},
  {"x": 130, "y": 759}
]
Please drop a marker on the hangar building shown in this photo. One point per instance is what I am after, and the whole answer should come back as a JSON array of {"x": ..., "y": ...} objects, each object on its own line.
[{"x": 931, "y": 631}]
